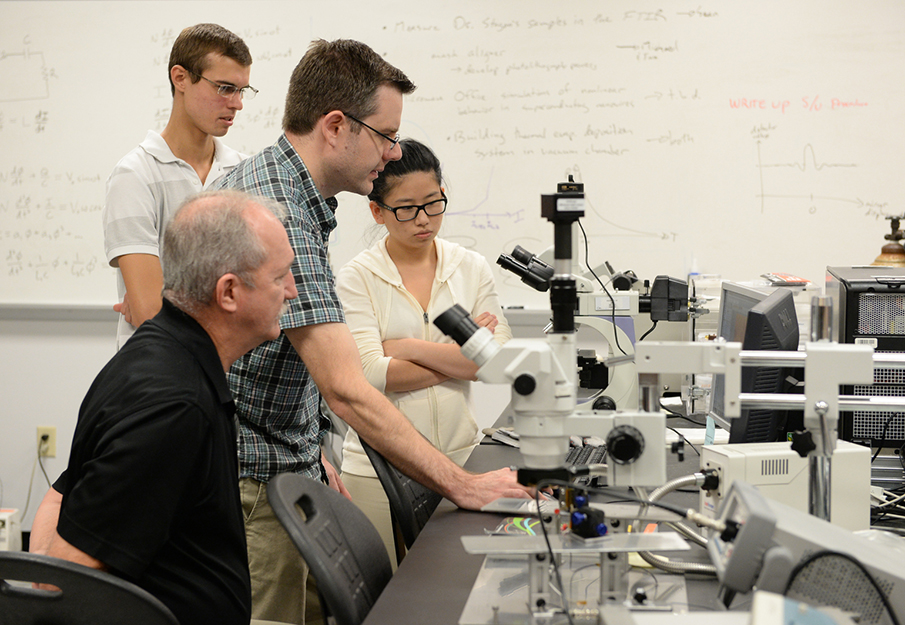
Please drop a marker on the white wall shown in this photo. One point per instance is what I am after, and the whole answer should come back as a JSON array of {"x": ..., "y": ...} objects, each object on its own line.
[{"x": 46, "y": 368}]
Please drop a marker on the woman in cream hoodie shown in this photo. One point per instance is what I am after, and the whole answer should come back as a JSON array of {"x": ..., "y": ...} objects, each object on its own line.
[{"x": 391, "y": 293}]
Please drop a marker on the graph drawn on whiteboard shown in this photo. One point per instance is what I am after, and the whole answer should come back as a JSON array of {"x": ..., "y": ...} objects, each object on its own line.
[{"x": 812, "y": 179}]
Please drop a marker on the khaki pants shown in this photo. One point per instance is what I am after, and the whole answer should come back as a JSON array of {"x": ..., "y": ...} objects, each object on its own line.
[
  {"x": 278, "y": 572},
  {"x": 370, "y": 497}
]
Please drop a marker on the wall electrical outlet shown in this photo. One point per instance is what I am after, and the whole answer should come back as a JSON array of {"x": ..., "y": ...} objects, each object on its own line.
[{"x": 47, "y": 448}]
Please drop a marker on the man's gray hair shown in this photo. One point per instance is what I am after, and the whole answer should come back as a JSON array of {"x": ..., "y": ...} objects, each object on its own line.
[{"x": 207, "y": 238}]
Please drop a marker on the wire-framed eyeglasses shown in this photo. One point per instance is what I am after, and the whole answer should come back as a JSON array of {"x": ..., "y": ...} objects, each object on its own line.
[
  {"x": 408, "y": 213},
  {"x": 227, "y": 91},
  {"x": 392, "y": 141}
]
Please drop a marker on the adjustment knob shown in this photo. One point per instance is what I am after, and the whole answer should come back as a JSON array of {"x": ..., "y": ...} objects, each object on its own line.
[
  {"x": 803, "y": 443},
  {"x": 604, "y": 402},
  {"x": 524, "y": 384},
  {"x": 624, "y": 444}
]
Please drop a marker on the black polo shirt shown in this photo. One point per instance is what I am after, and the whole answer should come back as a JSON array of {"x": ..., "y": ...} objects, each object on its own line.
[{"x": 151, "y": 489}]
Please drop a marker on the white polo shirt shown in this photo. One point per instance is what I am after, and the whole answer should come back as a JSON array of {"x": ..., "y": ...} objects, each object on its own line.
[{"x": 143, "y": 192}]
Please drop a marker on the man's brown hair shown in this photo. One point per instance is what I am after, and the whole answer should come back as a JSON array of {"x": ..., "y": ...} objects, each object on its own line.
[
  {"x": 192, "y": 46},
  {"x": 341, "y": 75}
]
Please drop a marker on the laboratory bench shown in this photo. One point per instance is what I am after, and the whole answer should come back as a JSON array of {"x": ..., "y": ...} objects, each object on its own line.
[{"x": 435, "y": 579}]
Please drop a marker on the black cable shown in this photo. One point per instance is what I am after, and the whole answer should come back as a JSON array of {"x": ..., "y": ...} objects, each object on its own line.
[
  {"x": 41, "y": 444},
  {"x": 670, "y": 413},
  {"x": 687, "y": 442},
  {"x": 41, "y": 464},
  {"x": 824, "y": 554},
  {"x": 878, "y": 516},
  {"x": 878, "y": 513},
  {"x": 686, "y": 418},
  {"x": 543, "y": 527},
  {"x": 31, "y": 479},
  {"x": 652, "y": 328},
  {"x": 883, "y": 436},
  {"x": 612, "y": 301},
  {"x": 896, "y": 530}
]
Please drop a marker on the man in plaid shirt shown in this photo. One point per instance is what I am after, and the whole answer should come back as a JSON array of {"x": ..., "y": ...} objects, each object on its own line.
[{"x": 343, "y": 111}]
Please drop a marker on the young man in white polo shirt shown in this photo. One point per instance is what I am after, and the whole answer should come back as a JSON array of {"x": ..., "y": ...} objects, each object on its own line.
[{"x": 209, "y": 70}]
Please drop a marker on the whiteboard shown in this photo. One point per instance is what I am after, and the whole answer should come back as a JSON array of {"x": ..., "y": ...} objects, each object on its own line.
[{"x": 716, "y": 137}]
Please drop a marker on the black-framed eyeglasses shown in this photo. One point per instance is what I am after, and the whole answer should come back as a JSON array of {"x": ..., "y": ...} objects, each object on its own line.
[
  {"x": 408, "y": 213},
  {"x": 227, "y": 91},
  {"x": 393, "y": 142}
]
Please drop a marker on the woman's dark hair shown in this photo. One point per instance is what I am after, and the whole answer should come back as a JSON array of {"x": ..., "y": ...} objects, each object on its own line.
[{"x": 415, "y": 157}]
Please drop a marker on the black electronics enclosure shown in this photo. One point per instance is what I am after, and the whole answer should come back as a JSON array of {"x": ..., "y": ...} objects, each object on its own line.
[{"x": 869, "y": 308}]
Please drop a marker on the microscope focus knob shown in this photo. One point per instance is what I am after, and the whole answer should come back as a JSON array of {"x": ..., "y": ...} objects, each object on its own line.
[
  {"x": 524, "y": 384},
  {"x": 624, "y": 444},
  {"x": 604, "y": 402}
]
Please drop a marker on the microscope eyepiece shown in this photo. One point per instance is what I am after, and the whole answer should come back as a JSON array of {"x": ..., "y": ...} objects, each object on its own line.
[
  {"x": 522, "y": 255},
  {"x": 533, "y": 271},
  {"x": 456, "y": 323},
  {"x": 477, "y": 343}
]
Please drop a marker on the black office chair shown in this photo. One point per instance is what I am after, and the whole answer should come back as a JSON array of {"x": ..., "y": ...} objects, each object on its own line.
[
  {"x": 838, "y": 580},
  {"x": 86, "y": 596},
  {"x": 341, "y": 546},
  {"x": 411, "y": 504}
]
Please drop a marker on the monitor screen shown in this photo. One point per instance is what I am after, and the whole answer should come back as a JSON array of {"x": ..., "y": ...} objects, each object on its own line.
[
  {"x": 771, "y": 325},
  {"x": 735, "y": 302}
]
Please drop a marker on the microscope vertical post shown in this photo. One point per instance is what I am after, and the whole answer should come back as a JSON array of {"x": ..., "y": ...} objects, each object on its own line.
[{"x": 563, "y": 208}]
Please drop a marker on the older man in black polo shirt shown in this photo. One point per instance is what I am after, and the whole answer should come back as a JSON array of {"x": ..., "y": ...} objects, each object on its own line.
[{"x": 151, "y": 491}]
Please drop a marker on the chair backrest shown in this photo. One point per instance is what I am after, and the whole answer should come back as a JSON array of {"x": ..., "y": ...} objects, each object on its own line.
[
  {"x": 86, "y": 596},
  {"x": 337, "y": 541},
  {"x": 411, "y": 504},
  {"x": 838, "y": 580}
]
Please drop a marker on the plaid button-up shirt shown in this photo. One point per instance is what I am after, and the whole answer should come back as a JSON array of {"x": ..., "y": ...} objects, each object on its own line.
[{"x": 277, "y": 402}]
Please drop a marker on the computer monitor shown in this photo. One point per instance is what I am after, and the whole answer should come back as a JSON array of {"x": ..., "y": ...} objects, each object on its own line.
[
  {"x": 772, "y": 324},
  {"x": 735, "y": 302}
]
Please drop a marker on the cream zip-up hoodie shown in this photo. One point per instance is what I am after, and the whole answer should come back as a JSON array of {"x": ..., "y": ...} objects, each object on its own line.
[{"x": 378, "y": 307}]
